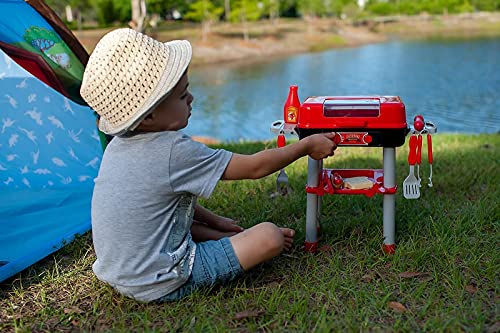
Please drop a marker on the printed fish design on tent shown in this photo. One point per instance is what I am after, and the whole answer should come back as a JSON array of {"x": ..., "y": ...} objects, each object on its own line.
[{"x": 50, "y": 148}]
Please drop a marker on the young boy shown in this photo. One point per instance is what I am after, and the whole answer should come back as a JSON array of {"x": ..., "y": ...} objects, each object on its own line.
[{"x": 153, "y": 242}]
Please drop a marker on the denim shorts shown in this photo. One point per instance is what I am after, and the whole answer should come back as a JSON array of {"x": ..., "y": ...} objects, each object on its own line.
[{"x": 214, "y": 263}]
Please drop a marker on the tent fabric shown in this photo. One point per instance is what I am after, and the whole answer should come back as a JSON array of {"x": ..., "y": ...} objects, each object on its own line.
[
  {"x": 23, "y": 27},
  {"x": 50, "y": 152},
  {"x": 63, "y": 31}
]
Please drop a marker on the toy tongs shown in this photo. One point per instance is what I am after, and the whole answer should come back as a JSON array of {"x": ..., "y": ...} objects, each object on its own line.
[{"x": 421, "y": 127}]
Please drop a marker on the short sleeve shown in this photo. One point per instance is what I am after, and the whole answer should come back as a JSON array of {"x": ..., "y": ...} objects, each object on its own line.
[{"x": 196, "y": 168}]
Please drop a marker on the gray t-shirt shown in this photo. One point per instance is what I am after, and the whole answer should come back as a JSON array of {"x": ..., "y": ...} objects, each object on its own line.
[{"x": 142, "y": 210}]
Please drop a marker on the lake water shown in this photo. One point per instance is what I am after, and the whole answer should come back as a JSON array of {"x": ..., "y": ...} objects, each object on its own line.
[{"x": 456, "y": 84}]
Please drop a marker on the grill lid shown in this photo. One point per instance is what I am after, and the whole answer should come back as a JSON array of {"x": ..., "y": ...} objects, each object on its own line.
[{"x": 369, "y": 107}]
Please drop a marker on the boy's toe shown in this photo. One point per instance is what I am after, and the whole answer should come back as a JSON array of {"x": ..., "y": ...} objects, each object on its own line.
[{"x": 288, "y": 232}]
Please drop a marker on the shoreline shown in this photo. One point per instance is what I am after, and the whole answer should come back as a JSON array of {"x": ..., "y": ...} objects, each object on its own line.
[
  {"x": 226, "y": 47},
  {"x": 287, "y": 37}
]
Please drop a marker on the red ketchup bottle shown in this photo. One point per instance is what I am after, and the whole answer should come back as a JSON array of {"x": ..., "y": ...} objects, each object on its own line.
[{"x": 292, "y": 106}]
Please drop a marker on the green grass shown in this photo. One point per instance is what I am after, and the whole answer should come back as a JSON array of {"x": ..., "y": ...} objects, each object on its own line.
[
  {"x": 449, "y": 238},
  {"x": 328, "y": 43},
  {"x": 442, "y": 27}
]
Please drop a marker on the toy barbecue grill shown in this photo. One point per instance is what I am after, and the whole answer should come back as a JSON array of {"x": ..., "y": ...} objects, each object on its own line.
[{"x": 358, "y": 121}]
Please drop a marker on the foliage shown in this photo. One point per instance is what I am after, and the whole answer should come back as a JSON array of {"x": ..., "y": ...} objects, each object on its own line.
[
  {"x": 245, "y": 11},
  {"x": 163, "y": 8},
  {"x": 109, "y": 11},
  {"x": 203, "y": 10},
  {"x": 105, "y": 11},
  {"x": 271, "y": 8},
  {"x": 332, "y": 8},
  {"x": 486, "y": 5},
  {"x": 413, "y": 7},
  {"x": 381, "y": 8},
  {"x": 311, "y": 8}
]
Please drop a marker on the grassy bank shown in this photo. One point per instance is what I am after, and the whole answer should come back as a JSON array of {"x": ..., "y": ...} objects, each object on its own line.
[
  {"x": 443, "y": 277},
  {"x": 477, "y": 25},
  {"x": 267, "y": 39},
  {"x": 270, "y": 40}
]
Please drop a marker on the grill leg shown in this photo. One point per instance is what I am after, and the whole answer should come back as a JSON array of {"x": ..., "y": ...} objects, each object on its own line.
[
  {"x": 389, "y": 200},
  {"x": 311, "y": 243},
  {"x": 320, "y": 199}
]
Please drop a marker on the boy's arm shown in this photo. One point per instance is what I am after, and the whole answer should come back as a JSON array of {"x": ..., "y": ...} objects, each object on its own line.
[
  {"x": 265, "y": 162},
  {"x": 204, "y": 215},
  {"x": 218, "y": 222}
]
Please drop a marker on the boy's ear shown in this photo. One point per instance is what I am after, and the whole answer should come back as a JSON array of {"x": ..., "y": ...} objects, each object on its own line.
[{"x": 147, "y": 122}]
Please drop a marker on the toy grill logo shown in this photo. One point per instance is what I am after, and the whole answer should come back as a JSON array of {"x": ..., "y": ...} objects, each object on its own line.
[
  {"x": 291, "y": 113},
  {"x": 353, "y": 138}
]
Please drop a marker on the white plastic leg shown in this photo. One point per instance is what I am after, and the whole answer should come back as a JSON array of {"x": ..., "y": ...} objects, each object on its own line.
[
  {"x": 389, "y": 200},
  {"x": 312, "y": 204},
  {"x": 320, "y": 198}
]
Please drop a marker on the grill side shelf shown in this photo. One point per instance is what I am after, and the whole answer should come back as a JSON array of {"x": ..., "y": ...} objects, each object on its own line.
[{"x": 376, "y": 176}]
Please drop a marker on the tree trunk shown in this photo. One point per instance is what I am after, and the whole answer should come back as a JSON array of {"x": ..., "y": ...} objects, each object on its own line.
[
  {"x": 79, "y": 20},
  {"x": 205, "y": 30},
  {"x": 274, "y": 13},
  {"x": 227, "y": 10},
  {"x": 138, "y": 14},
  {"x": 246, "y": 37}
]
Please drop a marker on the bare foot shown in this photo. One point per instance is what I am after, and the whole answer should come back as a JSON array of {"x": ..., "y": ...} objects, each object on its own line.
[{"x": 288, "y": 234}]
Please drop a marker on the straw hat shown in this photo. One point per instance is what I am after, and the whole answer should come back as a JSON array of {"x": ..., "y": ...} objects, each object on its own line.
[{"x": 128, "y": 74}]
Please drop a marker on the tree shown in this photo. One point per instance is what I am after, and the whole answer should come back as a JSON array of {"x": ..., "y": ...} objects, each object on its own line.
[
  {"x": 138, "y": 14},
  {"x": 309, "y": 10},
  {"x": 312, "y": 8},
  {"x": 272, "y": 7},
  {"x": 205, "y": 12},
  {"x": 78, "y": 7},
  {"x": 486, "y": 5},
  {"x": 227, "y": 9},
  {"x": 244, "y": 11}
]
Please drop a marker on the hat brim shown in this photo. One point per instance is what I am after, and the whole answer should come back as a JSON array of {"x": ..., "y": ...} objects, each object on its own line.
[{"x": 180, "y": 54}]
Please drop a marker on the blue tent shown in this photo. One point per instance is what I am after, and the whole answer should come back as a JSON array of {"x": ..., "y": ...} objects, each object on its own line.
[
  {"x": 50, "y": 149},
  {"x": 50, "y": 154}
]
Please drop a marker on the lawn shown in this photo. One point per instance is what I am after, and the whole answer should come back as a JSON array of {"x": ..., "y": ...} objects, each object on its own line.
[{"x": 442, "y": 278}]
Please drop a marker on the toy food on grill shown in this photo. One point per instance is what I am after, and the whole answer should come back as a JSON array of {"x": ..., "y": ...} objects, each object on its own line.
[
  {"x": 357, "y": 183},
  {"x": 337, "y": 180}
]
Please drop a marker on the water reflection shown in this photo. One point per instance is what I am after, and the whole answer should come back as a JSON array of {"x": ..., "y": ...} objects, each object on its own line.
[{"x": 456, "y": 84}]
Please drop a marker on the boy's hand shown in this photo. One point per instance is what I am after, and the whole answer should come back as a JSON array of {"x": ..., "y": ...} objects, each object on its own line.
[
  {"x": 321, "y": 145},
  {"x": 226, "y": 224}
]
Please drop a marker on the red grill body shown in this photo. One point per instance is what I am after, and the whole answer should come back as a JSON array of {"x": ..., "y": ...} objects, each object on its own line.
[{"x": 377, "y": 121}]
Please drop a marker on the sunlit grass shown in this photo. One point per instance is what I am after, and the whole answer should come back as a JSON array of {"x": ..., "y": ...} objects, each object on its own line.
[
  {"x": 443, "y": 27},
  {"x": 443, "y": 276}
]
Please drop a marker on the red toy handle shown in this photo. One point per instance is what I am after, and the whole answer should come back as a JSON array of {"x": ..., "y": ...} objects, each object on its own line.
[
  {"x": 412, "y": 156},
  {"x": 419, "y": 149},
  {"x": 281, "y": 141},
  {"x": 337, "y": 139},
  {"x": 429, "y": 148}
]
